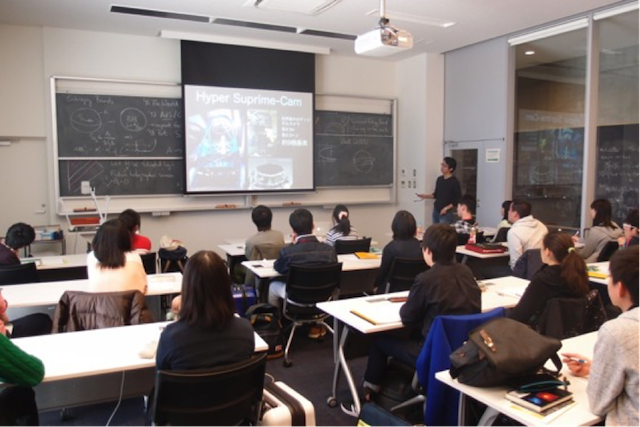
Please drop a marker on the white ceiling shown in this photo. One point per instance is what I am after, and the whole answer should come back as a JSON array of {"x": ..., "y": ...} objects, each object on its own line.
[{"x": 476, "y": 20}]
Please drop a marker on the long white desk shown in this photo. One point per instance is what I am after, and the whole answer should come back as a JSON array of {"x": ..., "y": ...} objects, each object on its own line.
[
  {"x": 499, "y": 292},
  {"x": 88, "y": 366},
  {"x": 60, "y": 267},
  {"x": 494, "y": 397},
  {"x": 264, "y": 271},
  {"x": 49, "y": 293}
]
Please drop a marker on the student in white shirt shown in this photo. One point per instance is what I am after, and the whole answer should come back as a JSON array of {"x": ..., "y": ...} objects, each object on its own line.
[{"x": 111, "y": 266}]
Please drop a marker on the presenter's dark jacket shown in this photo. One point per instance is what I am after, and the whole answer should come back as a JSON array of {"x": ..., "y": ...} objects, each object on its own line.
[
  {"x": 443, "y": 289},
  {"x": 306, "y": 251},
  {"x": 545, "y": 284},
  {"x": 184, "y": 347},
  {"x": 7, "y": 256},
  {"x": 397, "y": 248}
]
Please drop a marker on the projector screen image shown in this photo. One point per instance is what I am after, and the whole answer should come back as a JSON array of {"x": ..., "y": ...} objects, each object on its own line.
[{"x": 247, "y": 140}]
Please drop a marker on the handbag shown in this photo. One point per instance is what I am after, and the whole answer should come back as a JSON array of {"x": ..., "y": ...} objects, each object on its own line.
[{"x": 501, "y": 350}]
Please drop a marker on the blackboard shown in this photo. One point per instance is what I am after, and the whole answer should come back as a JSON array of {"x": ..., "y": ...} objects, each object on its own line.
[
  {"x": 353, "y": 149},
  {"x": 617, "y": 168},
  {"x": 122, "y": 145},
  {"x": 122, "y": 177}
]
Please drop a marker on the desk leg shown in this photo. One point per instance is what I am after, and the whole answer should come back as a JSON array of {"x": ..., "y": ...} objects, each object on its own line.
[
  {"x": 263, "y": 288},
  {"x": 355, "y": 409},
  {"x": 464, "y": 259}
]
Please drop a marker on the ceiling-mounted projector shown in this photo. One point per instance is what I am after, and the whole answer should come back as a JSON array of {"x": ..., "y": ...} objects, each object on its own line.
[{"x": 384, "y": 40}]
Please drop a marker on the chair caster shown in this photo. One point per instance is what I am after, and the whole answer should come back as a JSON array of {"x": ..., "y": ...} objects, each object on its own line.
[
  {"x": 332, "y": 402},
  {"x": 287, "y": 363}
]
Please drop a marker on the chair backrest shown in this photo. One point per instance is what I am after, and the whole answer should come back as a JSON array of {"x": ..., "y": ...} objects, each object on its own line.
[
  {"x": 149, "y": 261},
  {"x": 447, "y": 333},
  {"x": 226, "y": 395},
  {"x": 346, "y": 246},
  {"x": 607, "y": 251},
  {"x": 18, "y": 274},
  {"x": 403, "y": 273},
  {"x": 80, "y": 311},
  {"x": 528, "y": 264},
  {"x": 569, "y": 317},
  {"x": 501, "y": 235},
  {"x": 311, "y": 284}
]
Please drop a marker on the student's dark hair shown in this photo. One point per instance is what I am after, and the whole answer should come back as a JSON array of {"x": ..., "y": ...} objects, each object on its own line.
[
  {"x": 623, "y": 267},
  {"x": 110, "y": 243},
  {"x": 20, "y": 235},
  {"x": 632, "y": 218},
  {"x": 573, "y": 269},
  {"x": 207, "y": 301},
  {"x": 451, "y": 162},
  {"x": 403, "y": 226},
  {"x": 470, "y": 202},
  {"x": 522, "y": 207},
  {"x": 506, "y": 205},
  {"x": 301, "y": 221},
  {"x": 261, "y": 217},
  {"x": 441, "y": 239},
  {"x": 130, "y": 219},
  {"x": 603, "y": 213},
  {"x": 340, "y": 217}
]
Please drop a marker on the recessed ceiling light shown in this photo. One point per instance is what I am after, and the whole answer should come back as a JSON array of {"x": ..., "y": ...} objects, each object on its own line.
[{"x": 530, "y": 52}]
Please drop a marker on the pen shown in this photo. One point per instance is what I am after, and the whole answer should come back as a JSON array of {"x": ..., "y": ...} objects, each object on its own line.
[{"x": 573, "y": 359}]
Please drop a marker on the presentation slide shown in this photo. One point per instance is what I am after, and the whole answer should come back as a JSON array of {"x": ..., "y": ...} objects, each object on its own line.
[{"x": 247, "y": 140}]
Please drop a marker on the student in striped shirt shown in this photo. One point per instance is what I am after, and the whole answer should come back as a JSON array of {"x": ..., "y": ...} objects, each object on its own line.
[{"x": 342, "y": 229}]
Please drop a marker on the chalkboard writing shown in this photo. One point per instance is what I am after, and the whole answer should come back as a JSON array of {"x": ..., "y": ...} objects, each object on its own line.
[
  {"x": 353, "y": 149},
  {"x": 122, "y": 177},
  {"x": 617, "y": 168},
  {"x": 119, "y": 126}
]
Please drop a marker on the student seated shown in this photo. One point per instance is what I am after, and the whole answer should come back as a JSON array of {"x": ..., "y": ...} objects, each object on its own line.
[
  {"x": 261, "y": 217},
  {"x": 206, "y": 334},
  {"x": 342, "y": 229},
  {"x": 630, "y": 228},
  {"x": 306, "y": 250},
  {"x": 446, "y": 288},
  {"x": 613, "y": 372},
  {"x": 564, "y": 275},
  {"x": 22, "y": 371},
  {"x": 403, "y": 245},
  {"x": 504, "y": 222},
  {"x": 18, "y": 236},
  {"x": 603, "y": 230},
  {"x": 111, "y": 266},
  {"x": 525, "y": 233},
  {"x": 466, "y": 210},
  {"x": 131, "y": 220}
]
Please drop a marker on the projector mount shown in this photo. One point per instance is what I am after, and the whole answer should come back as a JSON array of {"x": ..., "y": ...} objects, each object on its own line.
[{"x": 388, "y": 31}]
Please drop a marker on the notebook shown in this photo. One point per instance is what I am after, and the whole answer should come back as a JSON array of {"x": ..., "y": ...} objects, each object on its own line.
[
  {"x": 540, "y": 401},
  {"x": 379, "y": 311}
]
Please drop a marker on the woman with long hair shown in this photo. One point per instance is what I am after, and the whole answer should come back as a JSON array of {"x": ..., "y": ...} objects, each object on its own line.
[
  {"x": 564, "y": 275},
  {"x": 207, "y": 333},
  {"x": 602, "y": 231},
  {"x": 342, "y": 229},
  {"x": 403, "y": 245},
  {"x": 112, "y": 266}
]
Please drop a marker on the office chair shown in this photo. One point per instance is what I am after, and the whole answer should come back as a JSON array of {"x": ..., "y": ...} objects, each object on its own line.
[
  {"x": 307, "y": 285},
  {"x": 19, "y": 274},
  {"x": 403, "y": 273},
  {"x": 501, "y": 235},
  {"x": 564, "y": 318},
  {"x": 608, "y": 250},
  {"x": 225, "y": 395},
  {"x": 150, "y": 262},
  {"x": 447, "y": 333},
  {"x": 528, "y": 264},
  {"x": 351, "y": 246}
]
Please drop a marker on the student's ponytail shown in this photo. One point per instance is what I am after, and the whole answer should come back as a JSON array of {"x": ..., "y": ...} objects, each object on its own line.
[
  {"x": 341, "y": 220},
  {"x": 573, "y": 269}
]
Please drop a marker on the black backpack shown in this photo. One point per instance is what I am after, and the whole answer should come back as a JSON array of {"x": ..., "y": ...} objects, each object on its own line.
[{"x": 265, "y": 319}]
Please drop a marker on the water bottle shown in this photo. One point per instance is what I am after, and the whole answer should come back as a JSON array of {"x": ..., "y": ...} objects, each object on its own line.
[{"x": 472, "y": 235}]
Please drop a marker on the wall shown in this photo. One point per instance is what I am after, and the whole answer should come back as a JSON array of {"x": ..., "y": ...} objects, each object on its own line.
[{"x": 114, "y": 56}]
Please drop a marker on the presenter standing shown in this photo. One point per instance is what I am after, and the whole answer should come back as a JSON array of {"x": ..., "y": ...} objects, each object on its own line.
[{"x": 447, "y": 193}]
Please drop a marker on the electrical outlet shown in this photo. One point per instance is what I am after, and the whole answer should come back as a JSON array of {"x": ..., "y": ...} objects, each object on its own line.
[
  {"x": 85, "y": 187},
  {"x": 401, "y": 184}
]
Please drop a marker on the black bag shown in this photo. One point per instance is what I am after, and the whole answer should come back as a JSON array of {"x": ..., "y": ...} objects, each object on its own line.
[
  {"x": 373, "y": 415},
  {"x": 500, "y": 351},
  {"x": 173, "y": 260},
  {"x": 265, "y": 319}
]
